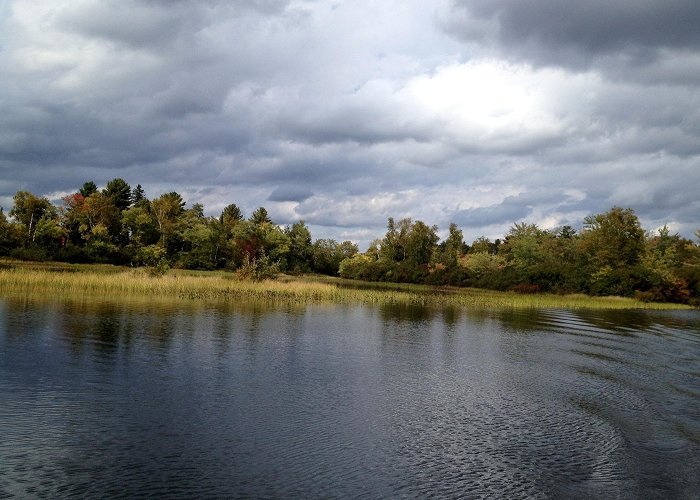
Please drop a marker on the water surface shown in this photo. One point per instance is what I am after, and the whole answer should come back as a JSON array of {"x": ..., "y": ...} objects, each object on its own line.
[{"x": 147, "y": 398}]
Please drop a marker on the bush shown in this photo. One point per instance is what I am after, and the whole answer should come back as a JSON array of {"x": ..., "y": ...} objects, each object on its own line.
[
  {"x": 72, "y": 254},
  {"x": 102, "y": 251},
  {"x": 525, "y": 288},
  {"x": 31, "y": 253},
  {"x": 150, "y": 255},
  {"x": 161, "y": 267},
  {"x": 257, "y": 269},
  {"x": 354, "y": 267}
]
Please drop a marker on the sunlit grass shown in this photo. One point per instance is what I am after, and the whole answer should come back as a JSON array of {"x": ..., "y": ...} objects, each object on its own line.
[{"x": 105, "y": 280}]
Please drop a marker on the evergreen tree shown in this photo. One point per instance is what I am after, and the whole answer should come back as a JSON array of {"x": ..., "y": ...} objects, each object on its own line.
[
  {"x": 137, "y": 195},
  {"x": 120, "y": 192},
  {"x": 260, "y": 217},
  {"x": 88, "y": 188},
  {"x": 230, "y": 215}
]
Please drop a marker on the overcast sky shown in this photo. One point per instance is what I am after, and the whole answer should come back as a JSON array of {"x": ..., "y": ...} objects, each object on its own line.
[{"x": 343, "y": 113}]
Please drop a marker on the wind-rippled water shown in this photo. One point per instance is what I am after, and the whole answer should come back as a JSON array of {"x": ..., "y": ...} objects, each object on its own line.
[{"x": 104, "y": 399}]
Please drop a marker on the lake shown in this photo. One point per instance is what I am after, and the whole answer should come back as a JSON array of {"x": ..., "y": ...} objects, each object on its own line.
[{"x": 185, "y": 399}]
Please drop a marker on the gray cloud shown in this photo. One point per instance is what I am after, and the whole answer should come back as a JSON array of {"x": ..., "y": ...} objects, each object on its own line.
[
  {"x": 346, "y": 113},
  {"x": 503, "y": 213},
  {"x": 576, "y": 34},
  {"x": 290, "y": 193}
]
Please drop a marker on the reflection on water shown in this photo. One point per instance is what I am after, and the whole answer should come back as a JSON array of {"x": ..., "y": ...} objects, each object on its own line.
[{"x": 184, "y": 399}]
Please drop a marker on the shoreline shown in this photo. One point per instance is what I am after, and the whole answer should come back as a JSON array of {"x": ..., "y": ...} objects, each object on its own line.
[{"x": 98, "y": 280}]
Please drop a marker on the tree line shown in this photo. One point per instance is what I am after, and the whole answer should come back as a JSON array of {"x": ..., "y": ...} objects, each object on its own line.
[
  {"x": 120, "y": 225},
  {"x": 610, "y": 255}
]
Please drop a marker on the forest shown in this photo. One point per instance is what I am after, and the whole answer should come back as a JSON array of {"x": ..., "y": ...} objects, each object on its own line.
[{"x": 610, "y": 255}]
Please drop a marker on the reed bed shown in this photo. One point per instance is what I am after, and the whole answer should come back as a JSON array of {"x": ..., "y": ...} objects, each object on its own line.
[{"x": 116, "y": 282}]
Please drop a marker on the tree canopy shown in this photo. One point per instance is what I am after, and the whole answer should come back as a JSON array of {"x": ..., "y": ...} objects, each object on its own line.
[{"x": 610, "y": 254}]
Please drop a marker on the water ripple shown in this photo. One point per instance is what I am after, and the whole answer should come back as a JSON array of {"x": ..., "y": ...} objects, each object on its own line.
[{"x": 109, "y": 400}]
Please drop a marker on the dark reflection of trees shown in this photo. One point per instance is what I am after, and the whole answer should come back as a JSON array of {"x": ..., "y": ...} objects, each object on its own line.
[
  {"x": 257, "y": 311},
  {"x": 451, "y": 316},
  {"x": 402, "y": 312},
  {"x": 522, "y": 320},
  {"x": 223, "y": 328},
  {"x": 621, "y": 322},
  {"x": 106, "y": 327},
  {"x": 513, "y": 333},
  {"x": 103, "y": 327},
  {"x": 22, "y": 318},
  {"x": 406, "y": 335},
  {"x": 479, "y": 316},
  {"x": 160, "y": 330},
  {"x": 255, "y": 316},
  {"x": 451, "y": 319},
  {"x": 76, "y": 325}
]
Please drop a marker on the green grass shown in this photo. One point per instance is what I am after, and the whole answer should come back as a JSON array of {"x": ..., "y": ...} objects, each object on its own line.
[{"x": 56, "y": 279}]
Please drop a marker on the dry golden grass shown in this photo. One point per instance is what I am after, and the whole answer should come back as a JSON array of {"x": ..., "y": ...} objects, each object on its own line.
[{"x": 115, "y": 282}]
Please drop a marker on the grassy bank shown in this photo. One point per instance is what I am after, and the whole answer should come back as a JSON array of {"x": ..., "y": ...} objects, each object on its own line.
[{"x": 54, "y": 279}]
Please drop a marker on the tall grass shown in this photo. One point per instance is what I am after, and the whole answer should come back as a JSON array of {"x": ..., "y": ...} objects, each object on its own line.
[{"x": 115, "y": 282}]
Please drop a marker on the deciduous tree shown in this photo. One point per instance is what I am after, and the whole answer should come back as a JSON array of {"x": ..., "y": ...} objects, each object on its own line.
[{"x": 28, "y": 209}]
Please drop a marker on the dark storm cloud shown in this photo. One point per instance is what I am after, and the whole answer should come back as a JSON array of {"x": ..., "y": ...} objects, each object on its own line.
[
  {"x": 573, "y": 33},
  {"x": 290, "y": 193},
  {"x": 146, "y": 86}
]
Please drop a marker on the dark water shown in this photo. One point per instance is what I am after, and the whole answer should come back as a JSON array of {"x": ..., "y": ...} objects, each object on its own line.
[{"x": 101, "y": 399}]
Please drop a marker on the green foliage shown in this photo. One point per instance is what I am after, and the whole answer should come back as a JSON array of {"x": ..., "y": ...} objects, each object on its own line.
[
  {"x": 614, "y": 238},
  {"x": 452, "y": 248},
  {"x": 275, "y": 243},
  {"x": 100, "y": 210},
  {"x": 300, "y": 250},
  {"x": 10, "y": 235},
  {"x": 199, "y": 240},
  {"x": 87, "y": 189},
  {"x": 166, "y": 210},
  {"x": 254, "y": 241},
  {"x": 161, "y": 268},
  {"x": 231, "y": 215},
  {"x": 28, "y": 210},
  {"x": 120, "y": 193},
  {"x": 49, "y": 233},
  {"x": 665, "y": 266},
  {"x": 260, "y": 217},
  {"x": 149, "y": 255},
  {"x": 611, "y": 255},
  {"x": 138, "y": 195},
  {"x": 482, "y": 264},
  {"x": 421, "y": 243},
  {"x": 139, "y": 224},
  {"x": 99, "y": 245},
  {"x": 613, "y": 246},
  {"x": 525, "y": 249},
  {"x": 30, "y": 252},
  {"x": 409, "y": 242},
  {"x": 257, "y": 269},
  {"x": 326, "y": 255},
  {"x": 484, "y": 245},
  {"x": 355, "y": 267}
]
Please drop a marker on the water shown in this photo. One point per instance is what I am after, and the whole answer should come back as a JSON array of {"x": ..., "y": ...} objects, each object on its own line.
[{"x": 178, "y": 399}]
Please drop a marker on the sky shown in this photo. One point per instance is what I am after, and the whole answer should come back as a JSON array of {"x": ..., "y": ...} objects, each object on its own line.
[{"x": 484, "y": 113}]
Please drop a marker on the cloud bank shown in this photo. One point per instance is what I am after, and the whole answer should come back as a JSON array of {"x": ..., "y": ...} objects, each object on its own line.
[{"x": 484, "y": 113}]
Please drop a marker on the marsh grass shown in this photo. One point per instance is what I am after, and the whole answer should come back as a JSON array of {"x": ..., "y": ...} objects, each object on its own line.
[{"x": 54, "y": 279}]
